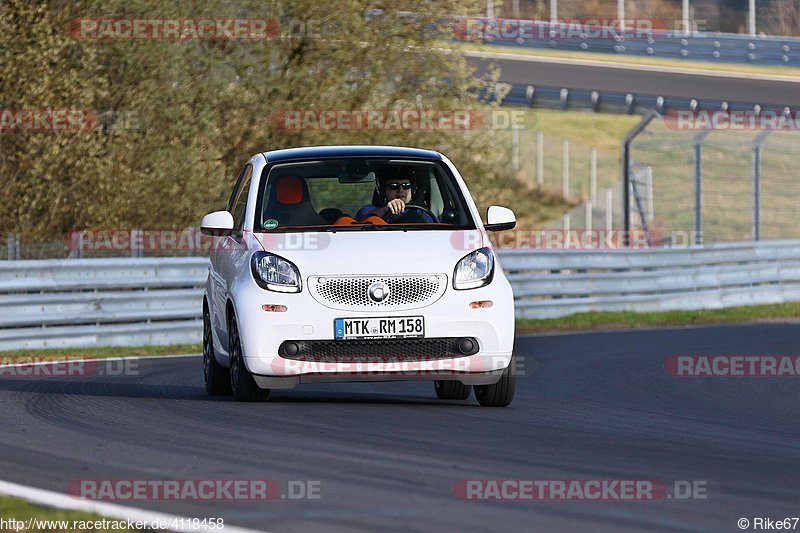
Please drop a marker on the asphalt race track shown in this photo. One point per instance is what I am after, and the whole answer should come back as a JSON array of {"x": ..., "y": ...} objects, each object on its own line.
[
  {"x": 590, "y": 406},
  {"x": 644, "y": 82}
]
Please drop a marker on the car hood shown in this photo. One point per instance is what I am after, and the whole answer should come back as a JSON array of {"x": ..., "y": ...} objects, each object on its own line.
[{"x": 375, "y": 251}]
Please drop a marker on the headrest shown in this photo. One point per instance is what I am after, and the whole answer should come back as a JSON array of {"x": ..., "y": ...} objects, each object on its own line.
[
  {"x": 397, "y": 173},
  {"x": 289, "y": 190}
]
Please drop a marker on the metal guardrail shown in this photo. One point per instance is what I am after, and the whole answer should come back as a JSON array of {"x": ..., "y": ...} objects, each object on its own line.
[
  {"x": 553, "y": 283},
  {"x": 118, "y": 302},
  {"x": 101, "y": 302},
  {"x": 703, "y": 46},
  {"x": 613, "y": 101}
]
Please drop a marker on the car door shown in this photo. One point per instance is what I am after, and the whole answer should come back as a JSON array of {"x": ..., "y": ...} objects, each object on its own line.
[{"x": 225, "y": 254}]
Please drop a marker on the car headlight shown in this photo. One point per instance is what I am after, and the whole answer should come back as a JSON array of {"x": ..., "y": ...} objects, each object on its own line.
[
  {"x": 274, "y": 273},
  {"x": 474, "y": 270}
]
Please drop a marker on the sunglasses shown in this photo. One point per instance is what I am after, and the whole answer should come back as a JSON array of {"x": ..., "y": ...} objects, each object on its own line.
[{"x": 397, "y": 186}]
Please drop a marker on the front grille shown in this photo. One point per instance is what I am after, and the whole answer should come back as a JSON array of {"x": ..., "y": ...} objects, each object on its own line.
[
  {"x": 375, "y": 350},
  {"x": 352, "y": 292}
]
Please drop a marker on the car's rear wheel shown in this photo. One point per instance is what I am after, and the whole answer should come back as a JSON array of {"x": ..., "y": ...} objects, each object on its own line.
[
  {"x": 243, "y": 385},
  {"x": 452, "y": 390},
  {"x": 501, "y": 393},
  {"x": 216, "y": 377}
]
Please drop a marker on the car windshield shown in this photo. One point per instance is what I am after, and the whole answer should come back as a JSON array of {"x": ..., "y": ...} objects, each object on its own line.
[{"x": 361, "y": 194}]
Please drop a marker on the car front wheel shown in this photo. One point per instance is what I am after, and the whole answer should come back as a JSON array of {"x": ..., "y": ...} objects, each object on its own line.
[
  {"x": 452, "y": 390},
  {"x": 501, "y": 393},
  {"x": 243, "y": 385}
]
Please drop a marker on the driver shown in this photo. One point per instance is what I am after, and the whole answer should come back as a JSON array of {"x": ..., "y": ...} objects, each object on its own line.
[{"x": 394, "y": 195}]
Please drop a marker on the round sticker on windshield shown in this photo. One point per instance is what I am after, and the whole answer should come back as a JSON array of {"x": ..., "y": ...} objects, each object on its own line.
[{"x": 270, "y": 223}]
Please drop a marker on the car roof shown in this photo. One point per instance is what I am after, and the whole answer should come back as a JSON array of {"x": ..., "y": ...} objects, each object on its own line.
[{"x": 313, "y": 152}]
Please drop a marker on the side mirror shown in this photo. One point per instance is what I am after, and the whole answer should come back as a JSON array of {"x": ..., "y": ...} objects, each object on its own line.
[
  {"x": 499, "y": 218},
  {"x": 217, "y": 224}
]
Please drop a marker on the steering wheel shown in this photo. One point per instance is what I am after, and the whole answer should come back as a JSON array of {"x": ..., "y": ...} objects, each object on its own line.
[{"x": 415, "y": 206}]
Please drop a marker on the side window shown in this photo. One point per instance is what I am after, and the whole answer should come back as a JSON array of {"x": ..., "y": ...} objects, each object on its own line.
[{"x": 240, "y": 201}]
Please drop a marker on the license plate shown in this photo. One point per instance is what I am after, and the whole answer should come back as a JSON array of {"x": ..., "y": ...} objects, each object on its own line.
[{"x": 408, "y": 327}]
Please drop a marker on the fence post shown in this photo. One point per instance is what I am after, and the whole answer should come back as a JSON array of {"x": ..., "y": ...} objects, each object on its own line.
[
  {"x": 134, "y": 240},
  {"x": 588, "y": 216},
  {"x": 10, "y": 246},
  {"x": 565, "y": 168},
  {"x": 756, "y": 192},
  {"x": 757, "y": 142},
  {"x": 698, "y": 186},
  {"x": 650, "y": 200},
  {"x": 565, "y": 220},
  {"x": 593, "y": 175},
  {"x": 515, "y": 149},
  {"x": 17, "y": 247},
  {"x": 609, "y": 209},
  {"x": 626, "y": 173},
  {"x": 540, "y": 159},
  {"x": 698, "y": 192}
]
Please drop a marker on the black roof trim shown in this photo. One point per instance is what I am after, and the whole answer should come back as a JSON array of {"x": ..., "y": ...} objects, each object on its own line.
[{"x": 314, "y": 152}]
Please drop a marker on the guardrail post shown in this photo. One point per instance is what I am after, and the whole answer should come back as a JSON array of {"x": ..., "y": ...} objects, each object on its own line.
[
  {"x": 530, "y": 92},
  {"x": 629, "y": 99},
  {"x": 595, "y": 100},
  {"x": 540, "y": 159}
]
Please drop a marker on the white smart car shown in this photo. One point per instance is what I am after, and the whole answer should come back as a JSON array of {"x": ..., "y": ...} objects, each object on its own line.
[{"x": 356, "y": 263}]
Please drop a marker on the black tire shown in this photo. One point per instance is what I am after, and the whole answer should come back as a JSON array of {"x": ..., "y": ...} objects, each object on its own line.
[
  {"x": 243, "y": 386},
  {"x": 216, "y": 377},
  {"x": 501, "y": 393},
  {"x": 452, "y": 390}
]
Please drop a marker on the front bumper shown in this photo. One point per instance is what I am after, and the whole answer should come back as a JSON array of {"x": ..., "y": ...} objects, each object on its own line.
[{"x": 306, "y": 320}]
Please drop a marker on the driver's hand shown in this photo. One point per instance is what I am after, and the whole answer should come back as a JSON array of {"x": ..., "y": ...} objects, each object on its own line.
[{"x": 396, "y": 206}]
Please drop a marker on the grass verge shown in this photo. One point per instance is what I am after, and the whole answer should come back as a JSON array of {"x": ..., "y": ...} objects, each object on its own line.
[
  {"x": 101, "y": 353},
  {"x": 788, "y": 312},
  {"x": 23, "y": 511},
  {"x": 705, "y": 66}
]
